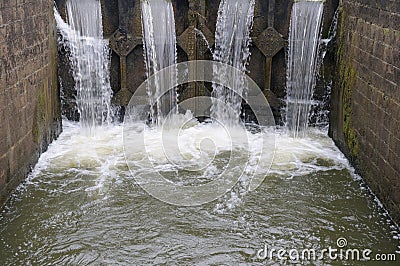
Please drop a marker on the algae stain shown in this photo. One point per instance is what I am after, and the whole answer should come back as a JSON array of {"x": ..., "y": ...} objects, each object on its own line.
[{"x": 347, "y": 75}]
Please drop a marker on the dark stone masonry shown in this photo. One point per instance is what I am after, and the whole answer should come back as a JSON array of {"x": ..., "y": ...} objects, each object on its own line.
[
  {"x": 29, "y": 100},
  {"x": 365, "y": 115}
]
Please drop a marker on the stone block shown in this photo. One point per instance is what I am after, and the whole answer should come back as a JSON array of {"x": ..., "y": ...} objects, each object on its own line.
[
  {"x": 24, "y": 38},
  {"x": 372, "y": 34}
]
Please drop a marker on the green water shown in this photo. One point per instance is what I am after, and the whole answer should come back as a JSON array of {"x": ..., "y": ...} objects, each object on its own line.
[{"x": 64, "y": 216}]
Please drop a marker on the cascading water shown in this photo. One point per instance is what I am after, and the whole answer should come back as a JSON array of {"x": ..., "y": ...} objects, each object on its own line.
[
  {"x": 89, "y": 57},
  {"x": 82, "y": 205},
  {"x": 232, "y": 39},
  {"x": 320, "y": 111},
  {"x": 304, "y": 40},
  {"x": 159, "y": 38}
]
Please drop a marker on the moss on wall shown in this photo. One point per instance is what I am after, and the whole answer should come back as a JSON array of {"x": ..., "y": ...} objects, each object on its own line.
[
  {"x": 350, "y": 134},
  {"x": 364, "y": 121},
  {"x": 347, "y": 77}
]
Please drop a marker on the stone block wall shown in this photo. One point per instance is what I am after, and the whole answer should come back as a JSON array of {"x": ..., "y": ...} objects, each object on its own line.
[
  {"x": 365, "y": 117},
  {"x": 29, "y": 99}
]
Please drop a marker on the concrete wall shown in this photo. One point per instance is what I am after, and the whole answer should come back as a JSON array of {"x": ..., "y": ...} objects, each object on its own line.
[
  {"x": 29, "y": 100},
  {"x": 365, "y": 117}
]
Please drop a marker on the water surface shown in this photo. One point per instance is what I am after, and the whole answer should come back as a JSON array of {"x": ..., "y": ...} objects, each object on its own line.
[{"x": 81, "y": 206}]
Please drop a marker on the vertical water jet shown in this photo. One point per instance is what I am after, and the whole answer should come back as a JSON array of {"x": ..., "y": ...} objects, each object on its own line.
[
  {"x": 232, "y": 39},
  {"x": 304, "y": 41},
  {"x": 89, "y": 58},
  {"x": 159, "y": 38}
]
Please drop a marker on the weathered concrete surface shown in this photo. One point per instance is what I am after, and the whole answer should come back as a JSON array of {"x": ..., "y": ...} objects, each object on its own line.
[
  {"x": 365, "y": 117},
  {"x": 122, "y": 25},
  {"x": 29, "y": 100}
]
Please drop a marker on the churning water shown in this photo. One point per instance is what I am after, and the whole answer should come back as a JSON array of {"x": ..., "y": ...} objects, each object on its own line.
[
  {"x": 81, "y": 204},
  {"x": 159, "y": 40},
  {"x": 304, "y": 40},
  {"x": 89, "y": 57}
]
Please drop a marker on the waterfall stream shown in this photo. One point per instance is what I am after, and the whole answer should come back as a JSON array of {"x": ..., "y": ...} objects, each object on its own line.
[
  {"x": 304, "y": 40},
  {"x": 159, "y": 40},
  {"x": 83, "y": 204},
  {"x": 232, "y": 39},
  {"x": 89, "y": 58}
]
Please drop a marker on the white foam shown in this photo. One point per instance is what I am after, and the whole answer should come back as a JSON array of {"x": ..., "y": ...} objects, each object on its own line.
[{"x": 201, "y": 150}]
